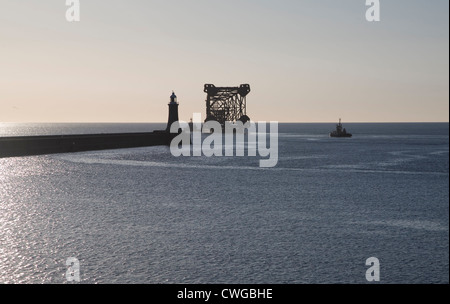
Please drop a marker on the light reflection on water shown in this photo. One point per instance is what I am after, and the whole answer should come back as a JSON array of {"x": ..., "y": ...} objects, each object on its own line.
[{"x": 142, "y": 216}]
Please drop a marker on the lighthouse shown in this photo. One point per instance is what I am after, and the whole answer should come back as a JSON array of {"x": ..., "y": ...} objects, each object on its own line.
[{"x": 173, "y": 111}]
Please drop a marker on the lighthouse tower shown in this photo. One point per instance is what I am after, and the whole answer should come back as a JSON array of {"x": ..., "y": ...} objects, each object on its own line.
[{"x": 173, "y": 111}]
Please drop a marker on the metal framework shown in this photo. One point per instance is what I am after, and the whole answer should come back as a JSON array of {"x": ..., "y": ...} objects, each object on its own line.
[{"x": 226, "y": 103}]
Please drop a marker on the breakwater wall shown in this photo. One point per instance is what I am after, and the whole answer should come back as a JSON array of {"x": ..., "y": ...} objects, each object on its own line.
[{"x": 38, "y": 145}]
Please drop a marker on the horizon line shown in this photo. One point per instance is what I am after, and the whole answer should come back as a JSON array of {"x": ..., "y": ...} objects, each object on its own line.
[{"x": 163, "y": 122}]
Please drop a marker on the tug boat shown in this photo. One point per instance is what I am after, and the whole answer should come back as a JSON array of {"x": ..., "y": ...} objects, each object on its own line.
[{"x": 340, "y": 131}]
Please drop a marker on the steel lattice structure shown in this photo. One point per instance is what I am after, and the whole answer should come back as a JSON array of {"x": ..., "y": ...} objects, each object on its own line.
[{"x": 226, "y": 103}]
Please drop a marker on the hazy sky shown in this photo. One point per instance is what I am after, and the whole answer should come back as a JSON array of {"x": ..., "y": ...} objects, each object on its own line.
[{"x": 306, "y": 60}]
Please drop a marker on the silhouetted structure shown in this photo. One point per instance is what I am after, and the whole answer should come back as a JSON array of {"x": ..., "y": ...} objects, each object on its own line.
[
  {"x": 226, "y": 103},
  {"x": 37, "y": 145},
  {"x": 173, "y": 111},
  {"x": 340, "y": 132}
]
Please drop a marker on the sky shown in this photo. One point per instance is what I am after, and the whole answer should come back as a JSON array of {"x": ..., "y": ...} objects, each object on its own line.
[{"x": 305, "y": 60}]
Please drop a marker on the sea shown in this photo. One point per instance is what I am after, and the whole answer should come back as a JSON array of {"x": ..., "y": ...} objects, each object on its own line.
[{"x": 144, "y": 216}]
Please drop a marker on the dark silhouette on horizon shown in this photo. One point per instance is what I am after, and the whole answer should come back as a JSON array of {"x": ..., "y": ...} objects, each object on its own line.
[
  {"x": 340, "y": 131},
  {"x": 226, "y": 103}
]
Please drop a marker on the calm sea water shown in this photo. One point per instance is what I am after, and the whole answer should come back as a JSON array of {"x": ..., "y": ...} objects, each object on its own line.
[{"x": 143, "y": 216}]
